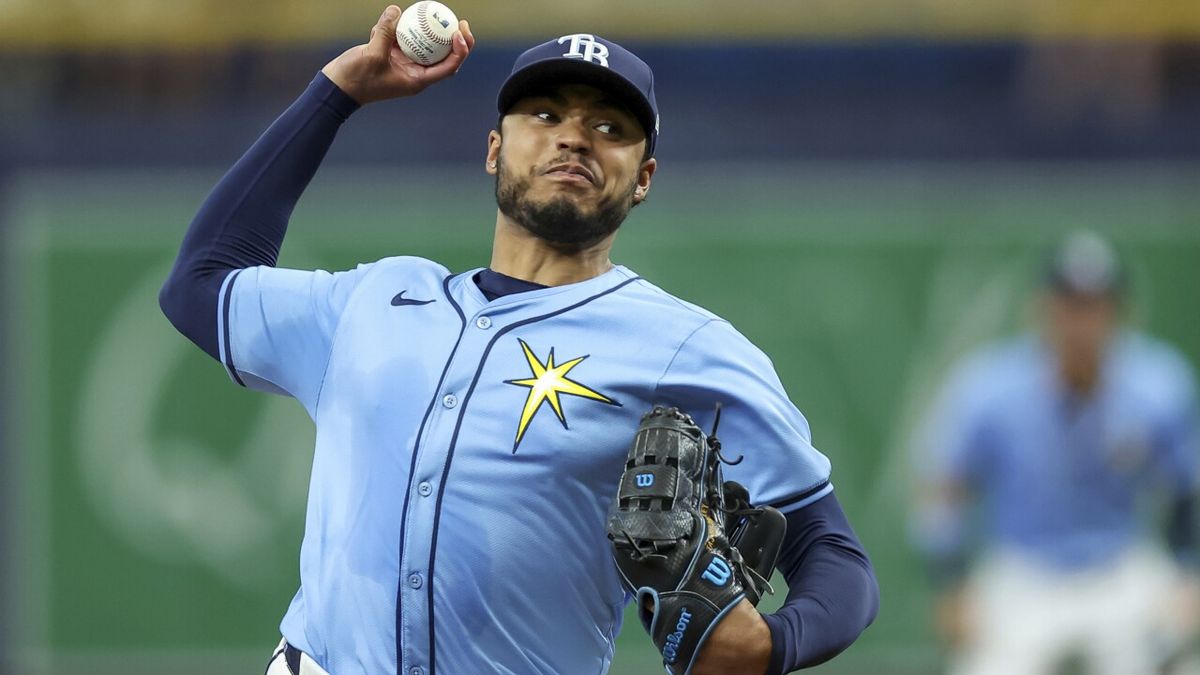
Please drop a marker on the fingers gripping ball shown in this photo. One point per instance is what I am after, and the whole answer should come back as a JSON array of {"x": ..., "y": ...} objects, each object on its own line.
[
  {"x": 424, "y": 32},
  {"x": 668, "y": 529}
]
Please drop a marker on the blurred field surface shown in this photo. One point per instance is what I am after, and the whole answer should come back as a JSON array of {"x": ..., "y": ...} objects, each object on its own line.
[{"x": 158, "y": 508}]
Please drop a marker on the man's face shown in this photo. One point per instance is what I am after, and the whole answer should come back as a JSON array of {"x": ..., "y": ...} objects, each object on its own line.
[
  {"x": 569, "y": 165},
  {"x": 1079, "y": 327}
]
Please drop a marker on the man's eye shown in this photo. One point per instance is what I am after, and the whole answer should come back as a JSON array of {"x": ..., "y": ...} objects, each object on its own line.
[
  {"x": 608, "y": 128},
  {"x": 545, "y": 116}
]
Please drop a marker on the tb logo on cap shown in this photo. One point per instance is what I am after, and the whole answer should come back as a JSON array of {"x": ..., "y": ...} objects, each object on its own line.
[{"x": 584, "y": 46}]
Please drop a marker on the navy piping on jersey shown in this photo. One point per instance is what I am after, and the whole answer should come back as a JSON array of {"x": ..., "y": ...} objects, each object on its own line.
[
  {"x": 785, "y": 503},
  {"x": 225, "y": 338},
  {"x": 412, "y": 470},
  {"x": 462, "y": 413}
]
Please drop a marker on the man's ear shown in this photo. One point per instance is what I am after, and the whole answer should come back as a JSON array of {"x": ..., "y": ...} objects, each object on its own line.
[
  {"x": 491, "y": 164},
  {"x": 645, "y": 176}
]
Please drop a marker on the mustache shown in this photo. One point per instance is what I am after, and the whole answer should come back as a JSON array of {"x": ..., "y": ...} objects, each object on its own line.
[{"x": 568, "y": 159}]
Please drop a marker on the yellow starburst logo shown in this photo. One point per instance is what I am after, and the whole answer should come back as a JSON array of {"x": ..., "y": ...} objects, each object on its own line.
[{"x": 548, "y": 381}]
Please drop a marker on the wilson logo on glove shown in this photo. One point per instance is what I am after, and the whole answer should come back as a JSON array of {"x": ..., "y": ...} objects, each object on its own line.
[
  {"x": 671, "y": 650},
  {"x": 718, "y": 572}
]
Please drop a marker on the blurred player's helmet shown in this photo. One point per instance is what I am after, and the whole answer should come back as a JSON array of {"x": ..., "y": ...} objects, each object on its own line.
[
  {"x": 1084, "y": 263},
  {"x": 586, "y": 59}
]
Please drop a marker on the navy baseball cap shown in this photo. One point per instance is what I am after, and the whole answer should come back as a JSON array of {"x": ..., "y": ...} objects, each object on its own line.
[
  {"x": 1084, "y": 263},
  {"x": 586, "y": 59}
]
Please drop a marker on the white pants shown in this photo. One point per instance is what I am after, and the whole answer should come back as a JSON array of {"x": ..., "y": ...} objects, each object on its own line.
[
  {"x": 278, "y": 664},
  {"x": 1026, "y": 618}
]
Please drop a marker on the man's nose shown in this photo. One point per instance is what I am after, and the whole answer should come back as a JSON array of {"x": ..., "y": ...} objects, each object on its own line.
[{"x": 573, "y": 136}]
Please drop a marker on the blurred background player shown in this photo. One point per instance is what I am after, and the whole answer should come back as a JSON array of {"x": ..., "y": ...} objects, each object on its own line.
[{"x": 1064, "y": 438}]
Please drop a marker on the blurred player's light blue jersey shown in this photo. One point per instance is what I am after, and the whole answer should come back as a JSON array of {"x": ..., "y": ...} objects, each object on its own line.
[
  {"x": 1060, "y": 476},
  {"x": 467, "y": 453}
]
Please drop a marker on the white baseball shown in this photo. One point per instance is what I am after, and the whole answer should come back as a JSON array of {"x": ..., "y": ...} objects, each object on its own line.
[{"x": 424, "y": 32}]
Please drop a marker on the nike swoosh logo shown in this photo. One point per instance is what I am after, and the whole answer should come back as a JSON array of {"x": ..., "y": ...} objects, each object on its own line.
[{"x": 400, "y": 300}]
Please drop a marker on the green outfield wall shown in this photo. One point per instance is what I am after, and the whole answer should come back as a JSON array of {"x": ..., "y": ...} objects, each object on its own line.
[{"x": 158, "y": 507}]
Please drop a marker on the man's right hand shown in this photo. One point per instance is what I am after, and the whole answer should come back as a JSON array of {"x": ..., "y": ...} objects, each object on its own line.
[{"x": 379, "y": 70}]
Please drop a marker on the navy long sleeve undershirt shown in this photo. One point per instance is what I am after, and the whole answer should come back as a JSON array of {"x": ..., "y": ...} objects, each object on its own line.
[
  {"x": 833, "y": 594},
  {"x": 243, "y": 221}
]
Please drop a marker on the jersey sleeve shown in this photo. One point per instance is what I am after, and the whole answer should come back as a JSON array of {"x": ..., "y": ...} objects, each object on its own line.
[
  {"x": 950, "y": 452},
  {"x": 276, "y": 327},
  {"x": 952, "y": 439},
  {"x": 1176, "y": 434},
  {"x": 716, "y": 364}
]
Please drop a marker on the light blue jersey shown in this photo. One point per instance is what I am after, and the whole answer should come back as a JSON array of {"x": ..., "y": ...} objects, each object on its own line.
[
  {"x": 1060, "y": 476},
  {"x": 467, "y": 452}
]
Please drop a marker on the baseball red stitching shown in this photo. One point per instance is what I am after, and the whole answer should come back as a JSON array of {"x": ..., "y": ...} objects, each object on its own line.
[{"x": 420, "y": 52}]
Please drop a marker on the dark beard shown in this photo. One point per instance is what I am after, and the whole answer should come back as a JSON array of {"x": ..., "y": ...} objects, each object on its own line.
[{"x": 559, "y": 221}]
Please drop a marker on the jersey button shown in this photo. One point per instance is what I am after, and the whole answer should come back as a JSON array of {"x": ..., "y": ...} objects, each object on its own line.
[
  {"x": 425, "y": 489},
  {"x": 414, "y": 580},
  {"x": 483, "y": 322},
  {"x": 416, "y": 670},
  {"x": 449, "y": 400}
]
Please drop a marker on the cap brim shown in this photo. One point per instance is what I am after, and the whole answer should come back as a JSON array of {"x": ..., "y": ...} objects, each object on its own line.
[
  {"x": 1062, "y": 285},
  {"x": 541, "y": 75}
]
